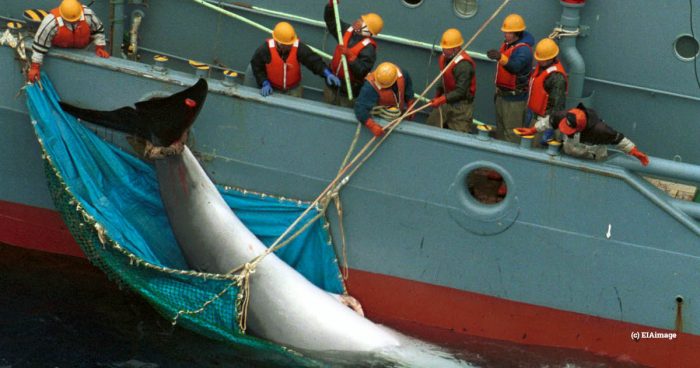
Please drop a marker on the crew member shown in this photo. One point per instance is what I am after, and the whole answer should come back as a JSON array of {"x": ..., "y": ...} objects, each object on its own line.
[
  {"x": 453, "y": 105},
  {"x": 513, "y": 67},
  {"x": 548, "y": 85},
  {"x": 587, "y": 135},
  {"x": 70, "y": 25},
  {"x": 276, "y": 66},
  {"x": 387, "y": 93},
  {"x": 360, "y": 51}
]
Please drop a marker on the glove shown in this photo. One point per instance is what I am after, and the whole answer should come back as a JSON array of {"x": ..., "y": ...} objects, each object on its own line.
[
  {"x": 525, "y": 131},
  {"x": 438, "y": 101},
  {"x": 547, "y": 136},
  {"x": 331, "y": 78},
  {"x": 34, "y": 72},
  {"x": 266, "y": 89},
  {"x": 375, "y": 128},
  {"x": 351, "y": 56},
  {"x": 493, "y": 54},
  {"x": 640, "y": 156},
  {"x": 101, "y": 52}
]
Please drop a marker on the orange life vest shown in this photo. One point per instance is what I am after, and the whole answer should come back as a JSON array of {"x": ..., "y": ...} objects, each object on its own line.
[
  {"x": 448, "y": 78},
  {"x": 387, "y": 97},
  {"x": 283, "y": 75},
  {"x": 538, "y": 98},
  {"x": 337, "y": 66},
  {"x": 504, "y": 78},
  {"x": 75, "y": 39}
]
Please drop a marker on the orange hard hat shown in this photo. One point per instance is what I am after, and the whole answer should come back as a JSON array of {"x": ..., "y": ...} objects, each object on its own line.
[
  {"x": 374, "y": 23},
  {"x": 546, "y": 49},
  {"x": 513, "y": 23},
  {"x": 574, "y": 122},
  {"x": 70, "y": 10},
  {"x": 451, "y": 38},
  {"x": 284, "y": 33},
  {"x": 386, "y": 74}
]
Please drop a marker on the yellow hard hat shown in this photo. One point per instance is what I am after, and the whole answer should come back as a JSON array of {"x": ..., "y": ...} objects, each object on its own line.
[
  {"x": 70, "y": 10},
  {"x": 513, "y": 23},
  {"x": 284, "y": 33},
  {"x": 451, "y": 38},
  {"x": 546, "y": 49},
  {"x": 386, "y": 74},
  {"x": 374, "y": 22}
]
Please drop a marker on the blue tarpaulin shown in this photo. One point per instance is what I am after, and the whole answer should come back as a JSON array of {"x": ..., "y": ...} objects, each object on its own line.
[{"x": 120, "y": 191}]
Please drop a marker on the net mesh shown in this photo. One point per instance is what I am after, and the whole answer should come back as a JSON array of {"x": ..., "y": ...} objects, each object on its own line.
[{"x": 110, "y": 202}]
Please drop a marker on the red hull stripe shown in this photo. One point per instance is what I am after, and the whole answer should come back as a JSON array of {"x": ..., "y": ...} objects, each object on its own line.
[
  {"x": 474, "y": 314},
  {"x": 36, "y": 228},
  {"x": 462, "y": 313}
]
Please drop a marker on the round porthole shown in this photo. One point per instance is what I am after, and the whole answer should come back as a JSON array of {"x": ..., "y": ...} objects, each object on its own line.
[
  {"x": 482, "y": 198},
  {"x": 486, "y": 185},
  {"x": 465, "y": 8},
  {"x": 686, "y": 47},
  {"x": 412, "y": 3}
]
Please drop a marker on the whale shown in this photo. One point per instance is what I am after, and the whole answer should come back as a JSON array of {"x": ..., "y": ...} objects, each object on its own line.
[{"x": 284, "y": 307}]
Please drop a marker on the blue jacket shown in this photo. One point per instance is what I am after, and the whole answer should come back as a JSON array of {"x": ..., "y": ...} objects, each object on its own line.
[{"x": 520, "y": 64}]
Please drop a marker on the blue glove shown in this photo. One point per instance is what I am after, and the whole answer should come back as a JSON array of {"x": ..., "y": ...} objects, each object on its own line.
[
  {"x": 266, "y": 89},
  {"x": 331, "y": 79},
  {"x": 547, "y": 135}
]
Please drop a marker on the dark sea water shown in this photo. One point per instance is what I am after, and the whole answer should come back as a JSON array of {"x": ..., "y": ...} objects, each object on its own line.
[{"x": 59, "y": 311}]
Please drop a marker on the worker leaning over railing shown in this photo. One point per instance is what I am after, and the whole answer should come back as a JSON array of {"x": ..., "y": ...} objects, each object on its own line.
[
  {"x": 276, "y": 63},
  {"x": 387, "y": 93},
  {"x": 70, "y": 25},
  {"x": 360, "y": 51},
  {"x": 587, "y": 135}
]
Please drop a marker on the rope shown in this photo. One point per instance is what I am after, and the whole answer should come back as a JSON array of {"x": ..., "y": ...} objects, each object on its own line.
[
  {"x": 333, "y": 188},
  {"x": 559, "y": 32},
  {"x": 343, "y": 59}
]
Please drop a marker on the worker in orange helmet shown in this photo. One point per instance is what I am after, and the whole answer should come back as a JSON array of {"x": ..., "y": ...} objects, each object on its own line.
[
  {"x": 70, "y": 25},
  {"x": 360, "y": 51},
  {"x": 387, "y": 93},
  {"x": 277, "y": 63},
  {"x": 513, "y": 68},
  {"x": 453, "y": 105},
  {"x": 587, "y": 135},
  {"x": 548, "y": 86}
]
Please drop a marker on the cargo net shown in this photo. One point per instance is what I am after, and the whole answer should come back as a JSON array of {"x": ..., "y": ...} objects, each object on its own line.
[{"x": 110, "y": 202}]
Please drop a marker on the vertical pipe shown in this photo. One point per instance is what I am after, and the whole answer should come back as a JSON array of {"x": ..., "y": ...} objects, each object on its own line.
[
  {"x": 570, "y": 20},
  {"x": 117, "y": 34}
]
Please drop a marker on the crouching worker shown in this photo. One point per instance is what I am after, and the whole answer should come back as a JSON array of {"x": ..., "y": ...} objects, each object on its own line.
[
  {"x": 386, "y": 93},
  {"x": 276, "y": 64},
  {"x": 587, "y": 135},
  {"x": 71, "y": 25}
]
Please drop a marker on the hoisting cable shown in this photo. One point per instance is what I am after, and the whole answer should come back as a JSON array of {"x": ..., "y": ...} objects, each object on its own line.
[
  {"x": 343, "y": 59},
  {"x": 335, "y": 185}
]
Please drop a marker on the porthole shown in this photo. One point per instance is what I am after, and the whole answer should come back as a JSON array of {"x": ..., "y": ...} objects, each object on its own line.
[
  {"x": 486, "y": 185},
  {"x": 465, "y": 8},
  {"x": 412, "y": 3},
  {"x": 686, "y": 47},
  {"x": 482, "y": 198}
]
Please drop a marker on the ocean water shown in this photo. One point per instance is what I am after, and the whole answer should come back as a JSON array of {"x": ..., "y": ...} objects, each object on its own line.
[{"x": 59, "y": 311}]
